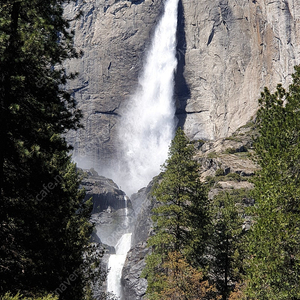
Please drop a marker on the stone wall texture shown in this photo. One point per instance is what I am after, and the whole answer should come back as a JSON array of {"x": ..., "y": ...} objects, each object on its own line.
[
  {"x": 228, "y": 50},
  {"x": 233, "y": 49}
]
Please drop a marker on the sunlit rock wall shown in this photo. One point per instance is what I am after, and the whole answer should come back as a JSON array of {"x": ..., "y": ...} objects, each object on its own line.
[{"x": 228, "y": 50}]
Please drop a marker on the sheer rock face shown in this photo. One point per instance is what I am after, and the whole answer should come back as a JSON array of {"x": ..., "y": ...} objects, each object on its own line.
[
  {"x": 134, "y": 287},
  {"x": 228, "y": 50},
  {"x": 234, "y": 49},
  {"x": 114, "y": 36}
]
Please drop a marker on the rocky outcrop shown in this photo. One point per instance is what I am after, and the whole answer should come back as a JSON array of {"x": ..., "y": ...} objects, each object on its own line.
[
  {"x": 110, "y": 225},
  {"x": 112, "y": 212},
  {"x": 143, "y": 203},
  {"x": 105, "y": 193},
  {"x": 231, "y": 154},
  {"x": 228, "y": 51}
]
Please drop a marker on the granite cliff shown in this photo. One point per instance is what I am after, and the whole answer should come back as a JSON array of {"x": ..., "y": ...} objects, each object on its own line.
[
  {"x": 234, "y": 49},
  {"x": 228, "y": 50}
]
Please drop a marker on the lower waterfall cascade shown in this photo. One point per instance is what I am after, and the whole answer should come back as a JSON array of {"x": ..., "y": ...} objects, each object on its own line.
[
  {"x": 147, "y": 127},
  {"x": 116, "y": 263}
]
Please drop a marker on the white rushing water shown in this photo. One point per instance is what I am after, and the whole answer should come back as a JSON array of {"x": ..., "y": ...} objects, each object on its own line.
[
  {"x": 148, "y": 125},
  {"x": 116, "y": 263}
]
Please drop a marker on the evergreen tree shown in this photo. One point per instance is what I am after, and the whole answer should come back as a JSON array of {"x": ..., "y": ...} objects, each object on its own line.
[
  {"x": 8, "y": 296},
  {"x": 181, "y": 217},
  {"x": 274, "y": 258},
  {"x": 44, "y": 228},
  {"x": 227, "y": 248},
  {"x": 184, "y": 282}
]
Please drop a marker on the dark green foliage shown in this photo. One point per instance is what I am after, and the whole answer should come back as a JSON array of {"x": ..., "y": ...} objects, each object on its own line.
[
  {"x": 241, "y": 196},
  {"x": 234, "y": 176},
  {"x": 212, "y": 154},
  {"x": 274, "y": 258},
  {"x": 210, "y": 181},
  {"x": 8, "y": 296},
  {"x": 33, "y": 108},
  {"x": 227, "y": 246},
  {"x": 219, "y": 172},
  {"x": 230, "y": 151},
  {"x": 44, "y": 228},
  {"x": 233, "y": 138},
  {"x": 249, "y": 124},
  {"x": 181, "y": 216}
]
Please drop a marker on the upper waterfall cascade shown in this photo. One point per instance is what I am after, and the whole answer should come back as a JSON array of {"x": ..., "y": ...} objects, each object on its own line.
[{"x": 148, "y": 125}]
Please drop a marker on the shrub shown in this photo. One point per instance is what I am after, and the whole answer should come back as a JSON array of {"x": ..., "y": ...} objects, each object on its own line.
[
  {"x": 234, "y": 176},
  {"x": 210, "y": 181},
  {"x": 220, "y": 172},
  {"x": 8, "y": 296},
  {"x": 212, "y": 154},
  {"x": 218, "y": 186},
  {"x": 230, "y": 151}
]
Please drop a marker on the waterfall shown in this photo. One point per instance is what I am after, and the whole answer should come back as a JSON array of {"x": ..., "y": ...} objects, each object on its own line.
[
  {"x": 148, "y": 124},
  {"x": 116, "y": 263},
  {"x": 126, "y": 223}
]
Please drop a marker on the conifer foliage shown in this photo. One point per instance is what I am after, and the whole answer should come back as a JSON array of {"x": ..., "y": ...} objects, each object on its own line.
[
  {"x": 226, "y": 243},
  {"x": 182, "y": 281},
  {"x": 181, "y": 216},
  {"x": 44, "y": 226},
  {"x": 274, "y": 258}
]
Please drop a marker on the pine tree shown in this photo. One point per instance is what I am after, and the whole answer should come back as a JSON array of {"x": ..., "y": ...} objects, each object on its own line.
[
  {"x": 44, "y": 228},
  {"x": 227, "y": 247},
  {"x": 184, "y": 282},
  {"x": 181, "y": 217},
  {"x": 274, "y": 249}
]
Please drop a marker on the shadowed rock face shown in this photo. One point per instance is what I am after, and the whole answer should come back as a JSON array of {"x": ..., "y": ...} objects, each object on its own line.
[
  {"x": 134, "y": 287},
  {"x": 105, "y": 194},
  {"x": 112, "y": 213},
  {"x": 228, "y": 50}
]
